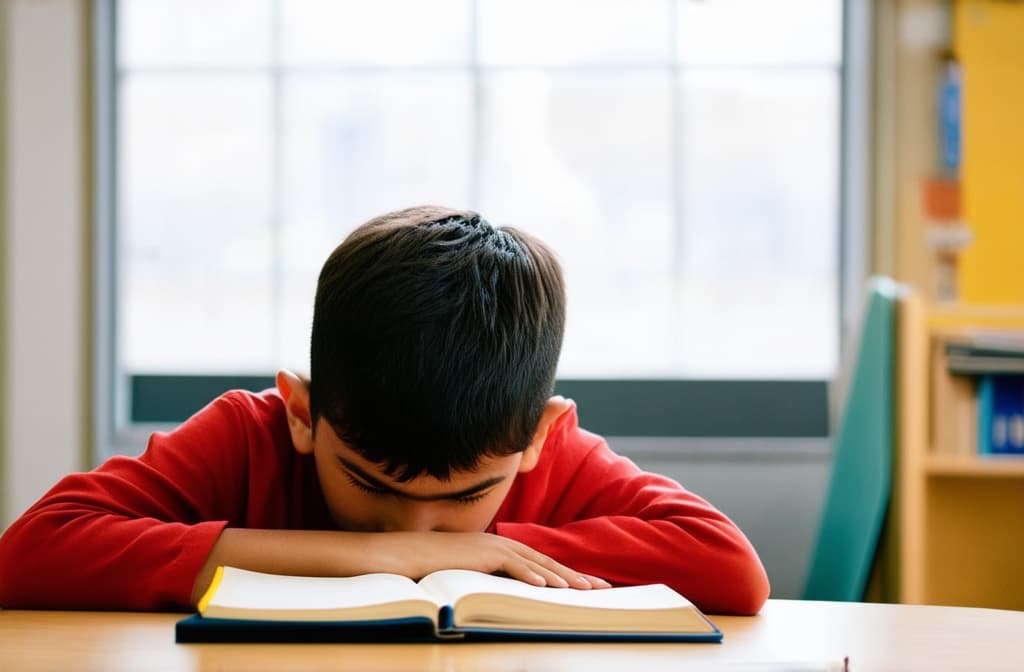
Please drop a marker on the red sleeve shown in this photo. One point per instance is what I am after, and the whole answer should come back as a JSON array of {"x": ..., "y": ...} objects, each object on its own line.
[
  {"x": 134, "y": 533},
  {"x": 601, "y": 515}
]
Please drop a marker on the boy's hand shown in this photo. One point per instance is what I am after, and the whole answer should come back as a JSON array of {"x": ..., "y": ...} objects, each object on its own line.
[
  {"x": 412, "y": 554},
  {"x": 416, "y": 554}
]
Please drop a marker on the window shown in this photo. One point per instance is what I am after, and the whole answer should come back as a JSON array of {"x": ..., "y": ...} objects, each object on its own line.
[{"x": 682, "y": 157}]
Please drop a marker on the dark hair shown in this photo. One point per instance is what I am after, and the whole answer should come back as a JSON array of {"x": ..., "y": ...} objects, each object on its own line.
[{"x": 435, "y": 340}]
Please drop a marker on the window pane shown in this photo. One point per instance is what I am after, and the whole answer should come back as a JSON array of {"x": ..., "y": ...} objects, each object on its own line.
[
  {"x": 383, "y": 32},
  {"x": 193, "y": 32},
  {"x": 695, "y": 208},
  {"x": 583, "y": 161},
  {"x": 759, "y": 193},
  {"x": 573, "y": 32},
  {"x": 193, "y": 227},
  {"x": 356, "y": 146},
  {"x": 758, "y": 32}
]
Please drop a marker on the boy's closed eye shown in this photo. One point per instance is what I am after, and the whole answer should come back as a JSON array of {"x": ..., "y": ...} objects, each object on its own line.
[
  {"x": 365, "y": 487},
  {"x": 371, "y": 486}
]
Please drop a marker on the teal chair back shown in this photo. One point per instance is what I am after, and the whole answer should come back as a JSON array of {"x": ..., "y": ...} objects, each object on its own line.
[{"x": 861, "y": 472}]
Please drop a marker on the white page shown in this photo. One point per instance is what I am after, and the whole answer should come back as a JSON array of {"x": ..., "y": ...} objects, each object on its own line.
[
  {"x": 451, "y": 584},
  {"x": 243, "y": 589}
]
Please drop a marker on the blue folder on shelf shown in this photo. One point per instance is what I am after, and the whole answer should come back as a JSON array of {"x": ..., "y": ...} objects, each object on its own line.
[{"x": 1001, "y": 415}]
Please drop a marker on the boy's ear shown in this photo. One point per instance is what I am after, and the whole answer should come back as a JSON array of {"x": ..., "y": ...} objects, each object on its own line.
[
  {"x": 295, "y": 392},
  {"x": 555, "y": 408}
]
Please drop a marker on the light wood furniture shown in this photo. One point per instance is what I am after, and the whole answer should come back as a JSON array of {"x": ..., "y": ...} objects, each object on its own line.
[
  {"x": 956, "y": 528},
  {"x": 787, "y": 635},
  {"x": 956, "y": 533}
]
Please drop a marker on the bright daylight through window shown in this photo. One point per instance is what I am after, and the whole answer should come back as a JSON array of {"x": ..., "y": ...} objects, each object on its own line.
[{"x": 682, "y": 157}]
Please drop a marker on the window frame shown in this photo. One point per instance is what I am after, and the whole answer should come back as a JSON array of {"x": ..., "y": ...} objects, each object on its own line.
[{"x": 614, "y": 408}]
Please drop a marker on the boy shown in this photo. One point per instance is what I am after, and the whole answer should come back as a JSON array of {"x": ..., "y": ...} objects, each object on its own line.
[{"x": 425, "y": 438}]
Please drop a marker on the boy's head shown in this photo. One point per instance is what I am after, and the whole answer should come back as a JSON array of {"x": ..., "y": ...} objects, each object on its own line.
[{"x": 435, "y": 342}]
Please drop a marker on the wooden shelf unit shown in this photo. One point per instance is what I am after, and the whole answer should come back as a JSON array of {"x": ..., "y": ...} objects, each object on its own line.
[
  {"x": 955, "y": 534},
  {"x": 975, "y": 466},
  {"x": 956, "y": 528}
]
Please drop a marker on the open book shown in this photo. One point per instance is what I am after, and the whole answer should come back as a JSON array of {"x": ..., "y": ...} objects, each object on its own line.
[{"x": 451, "y": 604}]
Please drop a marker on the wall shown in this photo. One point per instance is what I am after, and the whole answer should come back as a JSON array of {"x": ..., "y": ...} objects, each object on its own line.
[
  {"x": 45, "y": 333},
  {"x": 3, "y": 263},
  {"x": 909, "y": 36}
]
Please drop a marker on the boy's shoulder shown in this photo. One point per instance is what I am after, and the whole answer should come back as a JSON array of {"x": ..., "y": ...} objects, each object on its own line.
[
  {"x": 243, "y": 414},
  {"x": 263, "y": 406}
]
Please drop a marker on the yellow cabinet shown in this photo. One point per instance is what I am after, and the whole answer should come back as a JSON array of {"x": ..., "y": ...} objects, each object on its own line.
[{"x": 989, "y": 44}]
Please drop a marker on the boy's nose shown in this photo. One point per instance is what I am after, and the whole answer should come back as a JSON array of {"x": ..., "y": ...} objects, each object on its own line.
[{"x": 415, "y": 517}]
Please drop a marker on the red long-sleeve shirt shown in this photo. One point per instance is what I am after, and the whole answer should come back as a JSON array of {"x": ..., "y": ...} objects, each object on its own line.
[{"x": 134, "y": 533}]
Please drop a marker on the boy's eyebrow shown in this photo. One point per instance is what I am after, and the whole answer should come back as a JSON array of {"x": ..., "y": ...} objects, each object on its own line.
[{"x": 461, "y": 494}]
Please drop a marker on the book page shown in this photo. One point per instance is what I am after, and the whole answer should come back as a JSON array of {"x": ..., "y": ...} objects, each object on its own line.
[
  {"x": 450, "y": 585},
  {"x": 254, "y": 595},
  {"x": 483, "y": 600}
]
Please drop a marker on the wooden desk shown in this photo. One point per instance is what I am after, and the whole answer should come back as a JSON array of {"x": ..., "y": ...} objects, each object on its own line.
[{"x": 786, "y": 634}]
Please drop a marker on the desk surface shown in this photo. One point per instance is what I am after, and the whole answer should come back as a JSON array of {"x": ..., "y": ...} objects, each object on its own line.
[{"x": 786, "y": 635}]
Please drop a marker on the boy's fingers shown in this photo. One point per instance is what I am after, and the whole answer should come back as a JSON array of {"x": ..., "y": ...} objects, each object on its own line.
[
  {"x": 571, "y": 577},
  {"x": 596, "y": 581},
  {"x": 551, "y": 572},
  {"x": 532, "y": 573},
  {"x": 523, "y": 571},
  {"x": 548, "y": 577},
  {"x": 560, "y": 576}
]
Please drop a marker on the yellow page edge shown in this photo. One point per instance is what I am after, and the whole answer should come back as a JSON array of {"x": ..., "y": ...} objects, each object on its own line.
[{"x": 204, "y": 601}]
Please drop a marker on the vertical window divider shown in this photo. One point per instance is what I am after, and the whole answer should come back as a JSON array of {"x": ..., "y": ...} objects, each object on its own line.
[
  {"x": 110, "y": 403},
  {"x": 476, "y": 141},
  {"x": 275, "y": 214},
  {"x": 675, "y": 173}
]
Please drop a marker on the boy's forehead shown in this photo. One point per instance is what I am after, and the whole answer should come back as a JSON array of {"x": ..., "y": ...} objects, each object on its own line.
[{"x": 489, "y": 467}]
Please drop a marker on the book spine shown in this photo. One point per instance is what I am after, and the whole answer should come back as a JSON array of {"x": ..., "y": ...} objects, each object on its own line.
[
  {"x": 1001, "y": 415},
  {"x": 985, "y": 415},
  {"x": 446, "y": 624},
  {"x": 949, "y": 118}
]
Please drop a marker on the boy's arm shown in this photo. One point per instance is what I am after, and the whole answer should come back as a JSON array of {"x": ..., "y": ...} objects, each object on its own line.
[
  {"x": 103, "y": 560},
  {"x": 133, "y": 533},
  {"x": 147, "y": 533},
  {"x": 606, "y": 517}
]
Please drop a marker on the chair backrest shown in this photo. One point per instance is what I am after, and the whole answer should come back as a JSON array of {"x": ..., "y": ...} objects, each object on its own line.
[{"x": 858, "y": 491}]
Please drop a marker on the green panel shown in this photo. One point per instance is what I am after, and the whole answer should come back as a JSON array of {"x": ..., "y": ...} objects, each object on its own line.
[
  {"x": 736, "y": 408},
  {"x": 858, "y": 492},
  {"x": 608, "y": 407},
  {"x": 160, "y": 398}
]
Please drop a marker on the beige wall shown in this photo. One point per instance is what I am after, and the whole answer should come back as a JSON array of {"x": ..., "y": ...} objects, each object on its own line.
[
  {"x": 909, "y": 35},
  {"x": 42, "y": 423}
]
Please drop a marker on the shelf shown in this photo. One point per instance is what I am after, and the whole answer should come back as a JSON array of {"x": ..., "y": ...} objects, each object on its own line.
[
  {"x": 960, "y": 316},
  {"x": 975, "y": 466},
  {"x": 938, "y": 311}
]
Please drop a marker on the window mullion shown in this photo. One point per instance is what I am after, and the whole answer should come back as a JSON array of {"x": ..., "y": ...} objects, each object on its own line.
[
  {"x": 476, "y": 142},
  {"x": 675, "y": 170},
  {"x": 276, "y": 173}
]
